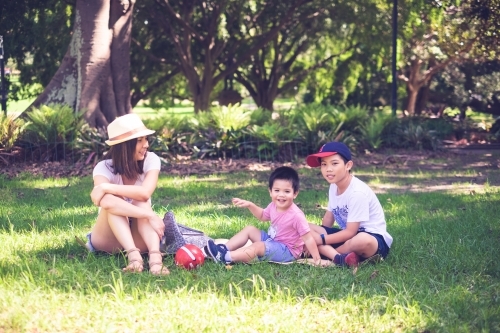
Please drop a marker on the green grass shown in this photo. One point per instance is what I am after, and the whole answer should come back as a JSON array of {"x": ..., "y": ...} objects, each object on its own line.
[
  {"x": 442, "y": 274},
  {"x": 16, "y": 107}
]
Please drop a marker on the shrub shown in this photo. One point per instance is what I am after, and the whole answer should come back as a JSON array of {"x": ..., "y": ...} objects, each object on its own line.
[
  {"x": 315, "y": 123},
  {"x": 276, "y": 139},
  {"x": 411, "y": 132},
  {"x": 91, "y": 143},
  {"x": 52, "y": 128},
  {"x": 370, "y": 133},
  {"x": 219, "y": 132},
  {"x": 53, "y": 124},
  {"x": 352, "y": 117},
  {"x": 172, "y": 135},
  {"x": 11, "y": 129}
]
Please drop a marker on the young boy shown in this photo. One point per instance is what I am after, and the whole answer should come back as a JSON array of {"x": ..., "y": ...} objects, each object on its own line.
[
  {"x": 355, "y": 208},
  {"x": 287, "y": 235}
]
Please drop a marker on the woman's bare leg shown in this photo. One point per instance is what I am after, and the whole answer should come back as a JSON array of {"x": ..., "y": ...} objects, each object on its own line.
[
  {"x": 112, "y": 234},
  {"x": 147, "y": 239}
]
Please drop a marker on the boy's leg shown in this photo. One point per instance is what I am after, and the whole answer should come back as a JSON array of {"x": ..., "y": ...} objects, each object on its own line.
[
  {"x": 241, "y": 238},
  {"x": 363, "y": 244},
  {"x": 249, "y": 253},
  {"x": 317, "y": 228}
]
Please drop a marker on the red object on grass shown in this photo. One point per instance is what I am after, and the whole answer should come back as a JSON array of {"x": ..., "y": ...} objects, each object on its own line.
[{"x": 189, "y": 257}]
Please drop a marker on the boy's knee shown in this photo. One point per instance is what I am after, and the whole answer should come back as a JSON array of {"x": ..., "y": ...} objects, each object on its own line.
[{"x": 250, "y": 228}]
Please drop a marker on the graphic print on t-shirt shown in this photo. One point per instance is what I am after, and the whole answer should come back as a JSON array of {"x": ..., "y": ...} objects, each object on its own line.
[
  {"x": 340, "y": 214},
  {"x": 272, "y": 231}
]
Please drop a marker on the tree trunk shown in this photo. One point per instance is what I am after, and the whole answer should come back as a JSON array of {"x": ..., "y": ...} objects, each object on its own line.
[
  {"x": 94, "y": 74},
  {"x": 412, "y": 100},
  {"x": 265, "y": 96}
]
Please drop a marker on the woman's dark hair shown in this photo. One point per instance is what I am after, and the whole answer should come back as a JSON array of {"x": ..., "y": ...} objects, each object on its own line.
[
  {"x": 122, "y": 156},
  {"x": 285, "y": 173}
]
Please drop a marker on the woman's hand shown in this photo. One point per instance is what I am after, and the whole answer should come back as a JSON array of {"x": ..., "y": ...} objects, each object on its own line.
[
  {"x": 97, "y": 193},
  {"x": 157, "y": 224}
]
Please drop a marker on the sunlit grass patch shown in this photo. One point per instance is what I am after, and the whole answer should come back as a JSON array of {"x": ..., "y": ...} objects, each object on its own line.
[{"x": 441, "y": 275}]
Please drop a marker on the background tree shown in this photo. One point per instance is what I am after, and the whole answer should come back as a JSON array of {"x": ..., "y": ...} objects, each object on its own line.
[
  {"x": 155, "y": 68},
  {"x": 24, "y": 24},
  {"x": 94, "y": 74},
  {"x": 280, "y": 65},
  {"x": 435, "y": 35},
  {"x": 362, "y": 74},
  {"x": 206, "y": 51}
]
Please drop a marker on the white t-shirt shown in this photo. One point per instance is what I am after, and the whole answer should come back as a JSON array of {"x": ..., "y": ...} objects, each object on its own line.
[
  {"x": 105, "y": 168},
  {"x": 358, "y": 204}
]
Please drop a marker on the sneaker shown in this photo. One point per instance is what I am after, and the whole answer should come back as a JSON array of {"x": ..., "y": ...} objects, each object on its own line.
[
  {"x": 347, "y": 259},
  {"x": 217, "y": 252}
]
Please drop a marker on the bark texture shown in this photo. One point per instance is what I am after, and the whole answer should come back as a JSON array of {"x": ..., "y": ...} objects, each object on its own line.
[{"x": 94, "y": 74}]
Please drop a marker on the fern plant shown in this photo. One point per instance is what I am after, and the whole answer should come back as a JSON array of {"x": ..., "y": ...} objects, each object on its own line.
[
  {"x": 91, "y": 143},
  {"x": 371, "y": 132},
  {"x": 314, "y": 120},
  {"x": 220, "y": 130},
  {"x": 53, "y": 129},
  {"x": 54, "y": 124},
  {"x": 11, "y": 129},
  {"x": 172, "y": 134}
]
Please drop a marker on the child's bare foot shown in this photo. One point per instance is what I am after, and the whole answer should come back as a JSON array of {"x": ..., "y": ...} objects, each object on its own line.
[
  {"x": 156, "y": 264},
  {"x": 135, "y": 262}
]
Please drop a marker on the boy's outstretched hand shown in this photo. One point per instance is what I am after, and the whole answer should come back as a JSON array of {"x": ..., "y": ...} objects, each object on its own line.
[
  {"x": 242, "y": 203},
  {"x": 253, "y": 208}
]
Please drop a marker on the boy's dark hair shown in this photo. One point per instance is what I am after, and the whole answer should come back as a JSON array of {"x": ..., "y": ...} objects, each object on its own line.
[
  {"x": 285, "y": 173},
  {"x": 122, "y": 156}
]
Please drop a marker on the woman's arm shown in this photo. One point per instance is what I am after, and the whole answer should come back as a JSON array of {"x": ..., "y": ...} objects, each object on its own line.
[
  {"x": 118, "y": 206},
  {"x": 143, "y": 192}
]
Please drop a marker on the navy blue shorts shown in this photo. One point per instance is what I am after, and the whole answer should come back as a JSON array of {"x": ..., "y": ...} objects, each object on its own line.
[{"x": 383, "y": 249}]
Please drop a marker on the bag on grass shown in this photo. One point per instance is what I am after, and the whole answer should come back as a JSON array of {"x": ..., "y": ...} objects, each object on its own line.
[{"x": 177, "y": 235}]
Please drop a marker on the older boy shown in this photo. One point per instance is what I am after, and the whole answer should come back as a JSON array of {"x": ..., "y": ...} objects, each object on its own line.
[{"x": 355, "y": 208}]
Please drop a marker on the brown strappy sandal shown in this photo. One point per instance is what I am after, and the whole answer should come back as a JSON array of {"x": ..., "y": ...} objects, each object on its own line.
[
  {"x": 163, "y": 270},
  {"x": 134, "y": 266}
]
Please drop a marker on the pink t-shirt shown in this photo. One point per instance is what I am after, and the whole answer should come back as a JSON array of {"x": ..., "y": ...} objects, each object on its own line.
[{"x": 287, "y": 227}]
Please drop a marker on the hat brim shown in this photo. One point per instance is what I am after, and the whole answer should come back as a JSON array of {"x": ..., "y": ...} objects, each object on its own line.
[
  {"x": 139, "y": 134},
  {"x": 313, "y": 159}
]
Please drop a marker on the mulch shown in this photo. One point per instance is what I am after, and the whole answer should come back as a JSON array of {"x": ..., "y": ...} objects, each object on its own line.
[{"x": 401, "y": 160}]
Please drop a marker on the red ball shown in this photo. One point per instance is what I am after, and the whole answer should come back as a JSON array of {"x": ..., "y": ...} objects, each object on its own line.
[{"x": 189, "y": 256}]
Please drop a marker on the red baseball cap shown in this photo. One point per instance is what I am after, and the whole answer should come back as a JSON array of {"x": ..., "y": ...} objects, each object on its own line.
[{"x": 329, "y": 149}]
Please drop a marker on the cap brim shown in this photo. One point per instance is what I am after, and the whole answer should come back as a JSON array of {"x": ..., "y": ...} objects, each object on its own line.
[
  {"x": 145, "y": 132},
  {"x": 313, "y": 159}
]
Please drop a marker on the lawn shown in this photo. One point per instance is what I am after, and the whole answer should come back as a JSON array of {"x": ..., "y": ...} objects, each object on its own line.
[{"x": 442, "y": 274}]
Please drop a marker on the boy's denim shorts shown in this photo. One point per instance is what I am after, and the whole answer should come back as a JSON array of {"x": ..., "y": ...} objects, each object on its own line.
[
  {"x": 383, "y": 249},
  {"x": 275, "y": 251}
]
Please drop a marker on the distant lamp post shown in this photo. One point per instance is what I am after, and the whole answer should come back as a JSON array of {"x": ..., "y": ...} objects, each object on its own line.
[
  {"x": 394, "y": 99},
  {"x": 3, "y": 86}
]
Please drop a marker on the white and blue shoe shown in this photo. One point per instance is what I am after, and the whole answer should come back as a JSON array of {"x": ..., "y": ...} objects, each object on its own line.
[{"x": 217, "y": 252}]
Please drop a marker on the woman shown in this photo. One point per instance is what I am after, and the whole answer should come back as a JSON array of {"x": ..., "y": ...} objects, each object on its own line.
[{"x": 123, "y": 185}]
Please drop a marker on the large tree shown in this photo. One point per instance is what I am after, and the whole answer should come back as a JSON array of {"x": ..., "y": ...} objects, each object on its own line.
[
  {"x": 200, "y": 30},
  {"x": 437, "y": 34},
  {"x": 94, "y": 73},
  {"x": 35, "y": 35},
  {"x": 280, "y": 65}
]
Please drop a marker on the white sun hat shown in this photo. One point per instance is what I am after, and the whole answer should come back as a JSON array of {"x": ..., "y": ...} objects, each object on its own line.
[{"x": 125, "y": 128}]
